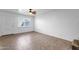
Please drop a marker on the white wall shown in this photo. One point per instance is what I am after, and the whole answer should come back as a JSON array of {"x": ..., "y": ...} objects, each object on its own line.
[
  {"x": 9, "y": 23},
  {"x": 59, "y": 23}
]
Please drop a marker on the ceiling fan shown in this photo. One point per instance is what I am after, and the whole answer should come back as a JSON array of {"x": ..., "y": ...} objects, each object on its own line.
[{"x": 32, "y": 12}]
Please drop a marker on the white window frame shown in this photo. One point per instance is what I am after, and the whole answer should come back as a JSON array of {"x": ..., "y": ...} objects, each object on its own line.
[{"x": 24, "y": 20}]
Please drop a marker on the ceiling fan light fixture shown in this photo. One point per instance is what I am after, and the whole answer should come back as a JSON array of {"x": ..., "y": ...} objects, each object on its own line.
[{"x": 30, "y": 13}]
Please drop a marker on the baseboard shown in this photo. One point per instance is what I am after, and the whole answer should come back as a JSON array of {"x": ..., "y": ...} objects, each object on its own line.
[
  {"x": 23, "y": 32},
  {"x": 14, "y": 33},
  {"x": 7, "y": 35},
  {"x": 55, "y": 36}
]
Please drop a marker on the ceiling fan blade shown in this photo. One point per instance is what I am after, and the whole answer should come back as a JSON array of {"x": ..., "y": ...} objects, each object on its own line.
[{"x": 34, "y": 12}]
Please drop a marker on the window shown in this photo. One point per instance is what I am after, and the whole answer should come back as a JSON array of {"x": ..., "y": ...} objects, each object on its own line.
[{"x": 24, "y": 22}]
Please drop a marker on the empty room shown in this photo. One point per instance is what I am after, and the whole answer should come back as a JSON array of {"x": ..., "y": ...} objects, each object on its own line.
[{"x": 39, "y": 29}]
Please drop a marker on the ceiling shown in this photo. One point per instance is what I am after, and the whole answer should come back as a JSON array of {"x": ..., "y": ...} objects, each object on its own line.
[{"x": 26, "y": 11}]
